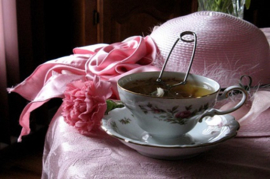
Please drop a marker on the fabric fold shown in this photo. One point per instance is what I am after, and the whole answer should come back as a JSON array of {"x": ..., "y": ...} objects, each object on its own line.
[
  {"x": 118, "y": 58},
  {"x": 31, "y": 86},
  {"x": 109, "y": 62}
]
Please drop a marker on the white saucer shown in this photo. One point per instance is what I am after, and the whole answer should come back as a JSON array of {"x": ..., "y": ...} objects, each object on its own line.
[{"x": 120, "y": 123}]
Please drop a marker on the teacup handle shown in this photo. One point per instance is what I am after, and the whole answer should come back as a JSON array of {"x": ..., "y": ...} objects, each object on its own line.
[{"x": 224, "y": 95}]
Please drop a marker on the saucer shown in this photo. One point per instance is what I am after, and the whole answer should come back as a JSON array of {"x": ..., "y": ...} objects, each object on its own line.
[{"x": 120, "y": 123}]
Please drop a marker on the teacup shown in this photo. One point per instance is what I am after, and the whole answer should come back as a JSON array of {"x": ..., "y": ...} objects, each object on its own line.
[{"x": 173, "y": 115}]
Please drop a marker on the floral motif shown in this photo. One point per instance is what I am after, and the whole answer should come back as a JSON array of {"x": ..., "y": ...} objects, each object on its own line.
[
  {"x": 150, "y": 107},
  {"x": 114, "y": 126},
  {"x": 125, "y": 120},
  {"x": 85, "y": 103},
  {"x": 173, "y": 115}
]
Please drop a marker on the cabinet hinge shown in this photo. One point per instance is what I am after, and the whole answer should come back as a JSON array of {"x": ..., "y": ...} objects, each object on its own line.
[{"x": 95, "y": 17}]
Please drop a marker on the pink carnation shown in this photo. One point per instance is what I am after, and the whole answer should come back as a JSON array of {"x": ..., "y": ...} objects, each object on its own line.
[{"x": 85, "y": 103}]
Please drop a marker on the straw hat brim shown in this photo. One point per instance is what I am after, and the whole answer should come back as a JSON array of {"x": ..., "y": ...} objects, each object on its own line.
[{"x": 227, "y": 47}]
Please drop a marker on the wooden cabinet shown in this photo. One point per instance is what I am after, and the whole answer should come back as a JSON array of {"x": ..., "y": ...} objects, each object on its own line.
[
  {"x": 119, "y": 19},
  {"x": 49, "y": 29},
  {"x": 108, "y": 21}
]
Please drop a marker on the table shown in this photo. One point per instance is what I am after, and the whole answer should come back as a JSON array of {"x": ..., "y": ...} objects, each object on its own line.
[{"x": 68, "y": 154}]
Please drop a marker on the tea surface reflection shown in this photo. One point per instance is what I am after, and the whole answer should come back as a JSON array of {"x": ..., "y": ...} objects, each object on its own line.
[{"x": 188, "y": 90}]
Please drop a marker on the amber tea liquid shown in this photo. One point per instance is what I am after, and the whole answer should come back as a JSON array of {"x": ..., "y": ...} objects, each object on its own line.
[{"x": 188, "y": 90}]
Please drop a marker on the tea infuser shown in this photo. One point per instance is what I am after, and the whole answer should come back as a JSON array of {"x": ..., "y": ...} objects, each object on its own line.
[{"x": 160, "y": 91}]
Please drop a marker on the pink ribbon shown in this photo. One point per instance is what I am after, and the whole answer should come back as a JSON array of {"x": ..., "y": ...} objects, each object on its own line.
[{"x": 109, "y": 62}]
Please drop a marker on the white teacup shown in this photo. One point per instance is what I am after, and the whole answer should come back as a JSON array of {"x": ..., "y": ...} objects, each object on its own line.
[{"x": 170, "y": 117}]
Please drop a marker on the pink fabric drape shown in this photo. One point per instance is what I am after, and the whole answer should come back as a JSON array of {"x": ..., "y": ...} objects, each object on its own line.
[
  {"x": 109, "y": 62},
  {"x": 9, "y": 70}
]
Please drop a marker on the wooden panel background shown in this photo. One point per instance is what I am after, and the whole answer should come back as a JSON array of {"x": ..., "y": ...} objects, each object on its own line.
[{"x": 121, "y": 19}]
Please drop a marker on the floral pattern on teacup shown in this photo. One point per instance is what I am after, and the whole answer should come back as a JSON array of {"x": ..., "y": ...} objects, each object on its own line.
[
  {"x": 123, "y": 121},
  {"x": 114, "y": 125},
  {"x": 173, "y": 115}
]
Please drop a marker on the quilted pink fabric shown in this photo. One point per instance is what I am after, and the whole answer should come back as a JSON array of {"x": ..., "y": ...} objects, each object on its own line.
[{"x": 68, "y": 154}]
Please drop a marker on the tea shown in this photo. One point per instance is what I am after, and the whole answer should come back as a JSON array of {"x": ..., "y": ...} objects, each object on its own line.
[{"x": 189, "y": 90}]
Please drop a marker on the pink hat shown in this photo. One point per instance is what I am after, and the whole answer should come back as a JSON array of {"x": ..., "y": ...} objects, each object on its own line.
[{"x": 227, "y": 47}]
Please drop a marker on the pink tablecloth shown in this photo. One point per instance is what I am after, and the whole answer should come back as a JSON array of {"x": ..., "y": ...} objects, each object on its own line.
[{"x": 68, "y": 154}]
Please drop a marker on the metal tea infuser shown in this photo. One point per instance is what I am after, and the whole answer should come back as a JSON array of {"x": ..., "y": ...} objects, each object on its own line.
[{"x": 159, "y": 79}]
